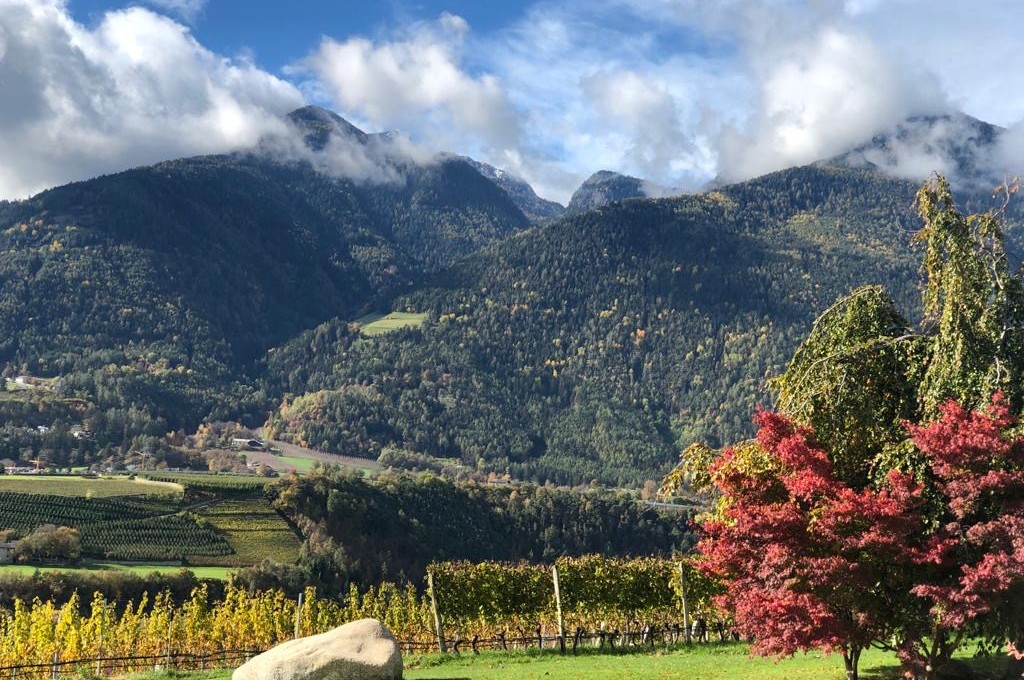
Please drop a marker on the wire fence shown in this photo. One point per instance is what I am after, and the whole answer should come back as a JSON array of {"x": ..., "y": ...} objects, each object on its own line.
[
  {"x": 614, "y": 640},
  {"x": 121, "y": 665}
]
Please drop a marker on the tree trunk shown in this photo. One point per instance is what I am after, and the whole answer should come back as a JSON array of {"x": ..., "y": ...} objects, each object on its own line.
[
  {"x": 851, "y": 658},
  {"x": 1015, "y": 664}
]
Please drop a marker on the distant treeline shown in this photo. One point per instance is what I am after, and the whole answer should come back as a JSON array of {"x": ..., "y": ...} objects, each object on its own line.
[{"x": 391, "y": 528}]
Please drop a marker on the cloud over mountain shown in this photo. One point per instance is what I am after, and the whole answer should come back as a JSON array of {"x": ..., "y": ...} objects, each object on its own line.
[
  {"x": 678, "y": 92},
  {"x": 415, "y": 82},
  {"x": 135, "y": 89}
]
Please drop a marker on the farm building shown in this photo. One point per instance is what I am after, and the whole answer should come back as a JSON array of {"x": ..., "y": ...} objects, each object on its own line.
[
  {"x": 247, "y": 443},
  {"x": 7, "y": 551}
]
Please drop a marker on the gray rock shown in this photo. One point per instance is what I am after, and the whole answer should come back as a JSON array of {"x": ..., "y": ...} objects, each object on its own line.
[{"x": 360, "y": 650}]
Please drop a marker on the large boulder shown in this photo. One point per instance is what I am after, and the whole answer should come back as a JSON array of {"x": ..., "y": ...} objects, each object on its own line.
[{"x": 361, "y": 650}]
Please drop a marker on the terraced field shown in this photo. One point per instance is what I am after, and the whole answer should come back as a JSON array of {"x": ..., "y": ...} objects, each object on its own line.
[
  {"x": 122, "y": 528},
  {"x": 206, "y": 481},
  {"x": 233, "y": 524}
]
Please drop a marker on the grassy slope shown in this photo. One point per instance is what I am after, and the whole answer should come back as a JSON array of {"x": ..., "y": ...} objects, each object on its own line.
[
  {"x": 377, "y": 324},
  {"x": 80, "y": 486}
]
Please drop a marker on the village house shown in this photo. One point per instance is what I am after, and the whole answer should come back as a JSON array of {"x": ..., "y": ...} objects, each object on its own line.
[{"x": 247, "y": 443}]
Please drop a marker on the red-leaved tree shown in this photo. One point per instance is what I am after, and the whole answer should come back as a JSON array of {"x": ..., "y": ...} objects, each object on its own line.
[
  {"x": 978, "y": 468},
  {"x": 808, "y": 562}
]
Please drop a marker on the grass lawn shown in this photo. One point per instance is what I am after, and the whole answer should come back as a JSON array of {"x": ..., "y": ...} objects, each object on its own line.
[
  {"x": 81, "y": 486},
  {"x": 378, "y": 324},
  {"x": 712, "y": 662},
  {"x": 300, "y": 464},
  {"x": 140, "y": 569}
]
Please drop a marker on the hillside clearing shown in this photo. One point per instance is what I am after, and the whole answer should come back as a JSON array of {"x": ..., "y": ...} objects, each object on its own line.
[
  {"x": 291, "y": 454},
  {"x": 379, "y": 324}
]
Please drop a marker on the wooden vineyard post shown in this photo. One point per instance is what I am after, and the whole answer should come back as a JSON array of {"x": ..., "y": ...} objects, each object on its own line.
[
  {"x": 441, "y": 646},
  {"x": 686, "y": 603},
  {"x": 558, "y": 608},
  {"x": 298, "y": 617}
]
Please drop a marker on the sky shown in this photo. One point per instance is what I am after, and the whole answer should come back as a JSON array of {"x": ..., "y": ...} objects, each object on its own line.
[{"x": 679, "y": 92}]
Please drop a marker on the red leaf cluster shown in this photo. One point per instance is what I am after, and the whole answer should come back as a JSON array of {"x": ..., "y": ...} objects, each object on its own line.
[
  {"x": 979, "y": 470},
  {"x": 801, "y": 553}
]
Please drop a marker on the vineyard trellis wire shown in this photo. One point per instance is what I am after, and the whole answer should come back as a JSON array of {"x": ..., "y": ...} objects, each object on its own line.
[
  {"x": 179, "y": 661},
  {"x": 484, "y": 606}
]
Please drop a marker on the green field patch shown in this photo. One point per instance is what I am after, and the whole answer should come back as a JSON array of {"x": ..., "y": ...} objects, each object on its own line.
[
  {"x": 141, "y": 569},
  {"x": 379, "y": 324},
  {"x": 255, "y": 531},
  {"x": 102, "y": 487},
  {"x": 300, "y": 464}
]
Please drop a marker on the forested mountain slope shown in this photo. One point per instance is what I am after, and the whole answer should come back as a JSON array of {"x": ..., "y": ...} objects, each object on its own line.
[
  {"x": 159, "y": 286},
  {"x": 596, "y": 346}
]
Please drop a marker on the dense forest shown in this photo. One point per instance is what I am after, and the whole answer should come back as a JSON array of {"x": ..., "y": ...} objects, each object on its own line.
[
  {"x": 394, "y": 526},
  {"x": 598, "y": 346}
]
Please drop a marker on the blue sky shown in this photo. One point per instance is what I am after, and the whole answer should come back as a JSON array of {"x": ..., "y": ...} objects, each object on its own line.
[
  {"x": 279, "y": 33},
  {"x": 680, "y": 92}
]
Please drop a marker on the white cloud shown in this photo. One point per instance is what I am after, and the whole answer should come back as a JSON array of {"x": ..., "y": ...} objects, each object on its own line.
[
  {"x": 674, "y": 91},
  {"x": 597, "y": 92},
  {"x": 645, "y": 115},
  {"x": 820, "y": 97},
  {"x": 417, "y": 83},
  {"x": 136, "y": 89}
]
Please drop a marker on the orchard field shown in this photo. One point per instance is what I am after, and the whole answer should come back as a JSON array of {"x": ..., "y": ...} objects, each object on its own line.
[{"x": 202, "y": 520}]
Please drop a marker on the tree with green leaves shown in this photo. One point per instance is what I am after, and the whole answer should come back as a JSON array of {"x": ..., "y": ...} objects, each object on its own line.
[
  {"x": 856, "y": 387},
  {"x": 864, "y": 370}
]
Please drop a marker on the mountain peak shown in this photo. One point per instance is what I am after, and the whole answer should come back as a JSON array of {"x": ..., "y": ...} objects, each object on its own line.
[
  {"x": 317, "y": 125},
  {"x": 606, "y": 186},
  {"x": 956, "y": 144},
  {"x": 522, "y": 194}
]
